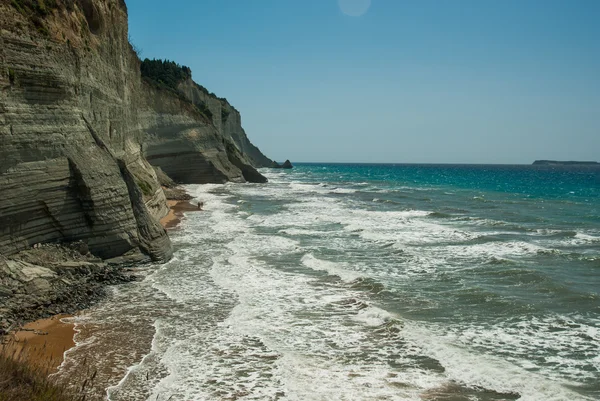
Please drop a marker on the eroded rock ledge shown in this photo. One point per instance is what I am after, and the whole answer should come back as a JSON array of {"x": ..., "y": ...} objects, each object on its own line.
[
  {"x": 83, "y": 137},
  {"x": 80, "y": 133},
  {"x": 50, "y": 279}
]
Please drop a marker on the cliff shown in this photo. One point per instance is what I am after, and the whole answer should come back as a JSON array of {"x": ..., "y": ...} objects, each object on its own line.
[
  {"x": 191, "y": 147},
  {"x": 227, "y": 120},
  {"x": 81, "y": 132}
]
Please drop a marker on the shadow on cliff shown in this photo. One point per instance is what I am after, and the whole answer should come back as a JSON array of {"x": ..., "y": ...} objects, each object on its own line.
[{"x": 84, "y": 123}]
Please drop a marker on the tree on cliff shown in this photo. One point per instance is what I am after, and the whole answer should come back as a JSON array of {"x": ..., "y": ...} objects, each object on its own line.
[{"x": 166, "y": 72}]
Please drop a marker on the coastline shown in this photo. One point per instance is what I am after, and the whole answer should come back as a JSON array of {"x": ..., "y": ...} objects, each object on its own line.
[
  {"x": 67, "y": 278},
  {"x": 44, "y": 285},
  {"x": 41, "y": 344},
  {"x": 176, "y": 212},
  {"x": 38, "y": 342}
]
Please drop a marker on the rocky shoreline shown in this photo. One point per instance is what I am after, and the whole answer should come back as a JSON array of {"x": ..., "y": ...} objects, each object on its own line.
[
  {"x": 51, "y": 279},
  {"x": 93, "y": 149}
]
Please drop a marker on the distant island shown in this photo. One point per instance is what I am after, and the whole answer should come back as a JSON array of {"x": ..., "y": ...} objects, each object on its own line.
[{"x": 565, "y": 163}]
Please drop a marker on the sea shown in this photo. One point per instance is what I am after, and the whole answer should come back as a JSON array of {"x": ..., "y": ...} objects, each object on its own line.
[{"x": 364, "y": 282}]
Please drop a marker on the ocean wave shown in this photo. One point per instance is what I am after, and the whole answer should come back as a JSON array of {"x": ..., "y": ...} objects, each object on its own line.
[
  {"x": 496, "y": 249},
  {"x": 373, "y": 316},
  {"x": 500, "y": 261},
  {"x": 550, "y": 233},
  {"x": 388, "y": 201},
  {"x": 316, "y": 298},
  {"x": 554, "y": 344},
  {"x": 486, "y": 222},
  {"x": 333, "y": 268},
  {"x": 587, "y": 238},
  {"x": 473, "y": 357},
  {"x": 439, "y": 215},
  {"x": 367, "y": 284},
  {"x": 343, "y": 191}
]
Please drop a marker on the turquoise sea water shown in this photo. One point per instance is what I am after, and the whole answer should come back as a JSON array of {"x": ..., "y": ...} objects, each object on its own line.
[{"x": 368, "y": 282}]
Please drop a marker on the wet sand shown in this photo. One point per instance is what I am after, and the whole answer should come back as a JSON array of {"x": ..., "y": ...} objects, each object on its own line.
[
  {"x": 41, "y": 343},
  {"x": 178, "y": 208}
]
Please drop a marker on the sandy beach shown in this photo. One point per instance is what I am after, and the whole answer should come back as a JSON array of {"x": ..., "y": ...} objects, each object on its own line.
[
  {"x": 41, "y": 343},
  {"x": 178, "y": 208}
]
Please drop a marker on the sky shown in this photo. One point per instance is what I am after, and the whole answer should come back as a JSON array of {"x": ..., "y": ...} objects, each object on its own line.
[{"x": 392, "y": 81}]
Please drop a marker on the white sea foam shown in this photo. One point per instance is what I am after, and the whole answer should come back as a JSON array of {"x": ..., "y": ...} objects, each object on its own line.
[
  {"x": 343, "y": 191},
  {"x": 569, "y": 337},
  {"x": 114, "y": 390},
  {"x": 588, "y": 237},
  {"x": 77, "y": 322},
  {"x": 485, "y": 370},
  {"x": 289, "y": 339},
  {"x": 243, "y": 312},
  {"x": 373, "y": 316},
  {"x": 495, "y": 249},
  {"x": 271, "y": 310},
  {"x": 334, "y": 268},
  {"x": 301, "y": 231}
]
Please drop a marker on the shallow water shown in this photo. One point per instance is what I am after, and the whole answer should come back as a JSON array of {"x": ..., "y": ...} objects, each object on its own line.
[{"x": 366, "y": 282}]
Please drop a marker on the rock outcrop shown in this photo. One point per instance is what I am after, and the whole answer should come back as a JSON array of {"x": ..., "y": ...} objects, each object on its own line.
[
  {"x": 81, "y": 133},
  {"x": 286, "y": 164},
  {"x": 69, "y": 132},
  {"x": 52, "y": 279},
  {"x": 227, "y": 120},
  {"x": 194, "y": 148}
]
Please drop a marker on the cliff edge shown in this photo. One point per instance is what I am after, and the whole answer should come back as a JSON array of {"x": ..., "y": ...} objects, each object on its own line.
[{"x": 81, "y": 132}]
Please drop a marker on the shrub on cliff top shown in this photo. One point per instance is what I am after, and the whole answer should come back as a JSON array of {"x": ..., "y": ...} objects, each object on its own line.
[
  {"x": 164, "y": 71},
  {"x": 167, "y": 75}
]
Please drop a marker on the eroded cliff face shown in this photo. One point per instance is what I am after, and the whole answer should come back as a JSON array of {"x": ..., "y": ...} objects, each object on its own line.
[
  {"x": 228, "y": 122},
  {"x": 68, "y": 133},
  {"x": 78, "y": 127},
  {"x": 193, "y": 148}
]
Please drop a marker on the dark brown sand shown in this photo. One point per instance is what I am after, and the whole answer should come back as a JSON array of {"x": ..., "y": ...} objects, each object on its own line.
[
  {"x": 175, "y": 215},
  {"x": 41, "y": 343}
]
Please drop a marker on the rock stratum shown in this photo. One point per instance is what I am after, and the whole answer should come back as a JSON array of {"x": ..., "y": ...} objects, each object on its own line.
[
  {"x": 81, "y": 132},
  {"x": 83, "y": 135}
]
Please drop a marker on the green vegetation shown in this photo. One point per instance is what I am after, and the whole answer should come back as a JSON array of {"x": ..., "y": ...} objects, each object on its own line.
[
  {"x": 167, "y": 75},
  {"x": 11, "y": 76},
  {"x": 165, "y": 72},
  {"x": 224, "y": 101},
  {"x": 224, "y": 114},
  {"x": 204, "y": 110},
  {"x": 36, "y": 11},
  {"x": 40, "y": 8},
  {"x": 145, "y": 187}
]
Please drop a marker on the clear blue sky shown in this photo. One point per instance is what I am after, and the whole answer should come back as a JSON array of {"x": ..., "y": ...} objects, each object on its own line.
[{"x": 473, "y": 81}]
